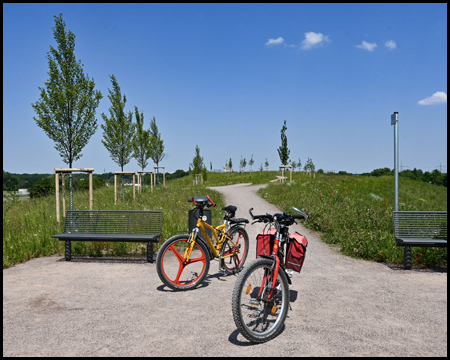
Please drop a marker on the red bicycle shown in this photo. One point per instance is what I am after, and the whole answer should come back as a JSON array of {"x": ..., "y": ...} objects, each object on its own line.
[{"x": 261, "y": 294}]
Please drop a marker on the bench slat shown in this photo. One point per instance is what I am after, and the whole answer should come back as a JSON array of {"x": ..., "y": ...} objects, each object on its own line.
[
  {"x": 113, "y": 222},
  {"x": 420, "y": 228},
  {"x": 107, "y": 237}
]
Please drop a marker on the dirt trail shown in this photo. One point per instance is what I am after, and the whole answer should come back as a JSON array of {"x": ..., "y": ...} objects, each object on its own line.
[{"x": 119, "y": 307}]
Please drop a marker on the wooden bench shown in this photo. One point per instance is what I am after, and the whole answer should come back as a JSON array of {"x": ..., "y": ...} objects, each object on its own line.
[
  {"x": 419, "y": 228},
  {"x": 112, "y": 225}
]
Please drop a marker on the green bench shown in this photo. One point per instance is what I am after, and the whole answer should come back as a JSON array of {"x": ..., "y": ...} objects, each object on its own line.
[
  {"x": 419, "y": 228},
  {"x": 112, "y": 225}
]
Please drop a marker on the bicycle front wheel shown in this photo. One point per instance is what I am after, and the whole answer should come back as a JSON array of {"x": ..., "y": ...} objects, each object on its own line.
[
  {"x": 234, "y": 252},
  {"x": 259, "y": 311},
  {"x": 172, "y": 268}
]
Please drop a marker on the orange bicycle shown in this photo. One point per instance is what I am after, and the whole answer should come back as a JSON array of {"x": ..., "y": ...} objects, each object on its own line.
[{"x": 194, "y": 253}]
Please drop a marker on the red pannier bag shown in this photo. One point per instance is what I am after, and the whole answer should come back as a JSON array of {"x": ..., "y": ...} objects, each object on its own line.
[
  {"x": 296, "y": 251},
  {"x": 264, "y": 242}
]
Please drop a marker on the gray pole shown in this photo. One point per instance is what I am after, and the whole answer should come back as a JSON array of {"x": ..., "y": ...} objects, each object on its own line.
[{"x": 394, "y": 121}]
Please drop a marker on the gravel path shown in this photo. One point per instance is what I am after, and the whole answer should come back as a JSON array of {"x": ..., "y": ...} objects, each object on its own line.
[{"x": 119, "y": 307}]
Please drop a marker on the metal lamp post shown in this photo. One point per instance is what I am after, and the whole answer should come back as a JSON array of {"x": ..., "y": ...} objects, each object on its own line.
[{"x": 394, "y": 121}]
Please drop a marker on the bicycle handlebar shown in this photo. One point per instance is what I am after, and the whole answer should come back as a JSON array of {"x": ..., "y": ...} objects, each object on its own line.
[
  {"x": 270, "y": 218},
  {"x": 212, "y": 202}
]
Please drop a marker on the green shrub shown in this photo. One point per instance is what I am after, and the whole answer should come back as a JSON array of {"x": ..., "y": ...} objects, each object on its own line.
[{"x": 42, "y": 187}]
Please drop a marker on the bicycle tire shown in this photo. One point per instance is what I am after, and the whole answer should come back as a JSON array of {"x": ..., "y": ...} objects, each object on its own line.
[
  {"x": 252, "y": 316},
  {"x": 234, "y": 264},
  {"x": 184, "y": 276}
]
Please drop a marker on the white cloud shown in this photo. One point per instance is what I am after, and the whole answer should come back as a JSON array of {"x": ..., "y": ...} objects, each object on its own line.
[
  {"x": 367, "y": 46},
  {"x": 313, "y": 39},
  {"x": 391, "y": 44},
  {"x": 439, "y": 97},
  {"x": 278, "y": 41}
]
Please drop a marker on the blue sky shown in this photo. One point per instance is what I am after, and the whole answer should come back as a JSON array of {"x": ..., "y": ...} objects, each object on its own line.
[{"x": 226, "y": 76}]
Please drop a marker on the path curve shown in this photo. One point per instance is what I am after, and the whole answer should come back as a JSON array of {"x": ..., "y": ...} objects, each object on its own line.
[{"x": 114, "y": 307}]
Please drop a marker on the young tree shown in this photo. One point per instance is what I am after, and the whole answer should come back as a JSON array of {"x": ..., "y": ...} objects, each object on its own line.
[
  {"x": 251, "y": 162},
  {"x": 294, "y": 165},
  {"x": 67, "y": 105},
  {"x": 210, "y": 165},
  {"x": 283, "y": 150},
  {"x": 267, "y": 165},
  {"x": 309, "y": 166},
  {"x": 261, "y": 169},
  {"x": 157, "y": 144},
  {"x": 141, "y": 141},
  {"x": 299, "y": 164},
  {"x": 244, "y": 164},
  {"x": 230, "y": 165},
  {"x": 197, "y": 165},
  {"x": 118, "y": 129}
]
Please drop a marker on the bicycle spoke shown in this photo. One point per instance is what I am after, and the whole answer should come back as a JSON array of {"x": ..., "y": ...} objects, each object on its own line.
[
  {"x": 180, "y": 271},
  {"x": 175, "y": 251}
]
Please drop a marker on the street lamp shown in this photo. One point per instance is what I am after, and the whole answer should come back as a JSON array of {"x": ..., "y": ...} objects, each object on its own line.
[{"x": 394, "y": 121}]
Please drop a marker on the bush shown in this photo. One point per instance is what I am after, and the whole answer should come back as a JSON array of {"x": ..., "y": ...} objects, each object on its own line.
[{"x": 42, "y": 187}]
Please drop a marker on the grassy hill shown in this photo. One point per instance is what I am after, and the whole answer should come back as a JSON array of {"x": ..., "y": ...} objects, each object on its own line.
[{"x": 353, "y": 212}]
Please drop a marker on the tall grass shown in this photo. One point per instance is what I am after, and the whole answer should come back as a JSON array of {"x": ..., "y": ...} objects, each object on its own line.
[
  {"x": 28, "y": 225},
  {"x": 355, "y": 213},
  {"x": 352, "y": 212},
  {"x": 222, "y": 179}
]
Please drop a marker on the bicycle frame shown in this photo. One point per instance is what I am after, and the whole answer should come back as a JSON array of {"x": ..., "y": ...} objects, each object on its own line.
[
  {"x": 215, "y": 232},
  {"x": 276, "y": 246}
]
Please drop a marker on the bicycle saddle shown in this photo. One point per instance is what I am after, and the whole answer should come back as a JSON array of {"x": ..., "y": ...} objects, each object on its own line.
[
  {"x": 198, "y": 199},
  {"x": 230, "y": 208}
]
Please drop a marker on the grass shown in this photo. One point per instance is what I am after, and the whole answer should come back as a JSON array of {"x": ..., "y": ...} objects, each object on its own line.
[
  {"x": 355, "y": 213},
  {"x": 29, "y": 225},
  {"x": 351, "y": 212},
  {"x": 222, "y": 179}
]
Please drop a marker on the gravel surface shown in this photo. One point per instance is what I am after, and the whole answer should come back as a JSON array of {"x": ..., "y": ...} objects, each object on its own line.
[{"x": 119, "y": 307}]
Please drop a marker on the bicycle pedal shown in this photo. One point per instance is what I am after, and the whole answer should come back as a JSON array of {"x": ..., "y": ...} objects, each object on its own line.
[{"x": 222, "y": 270}]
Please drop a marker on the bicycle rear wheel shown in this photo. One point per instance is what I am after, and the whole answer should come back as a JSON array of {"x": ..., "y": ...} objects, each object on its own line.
[
  {"x": 171, "y": 268},
  {"x": 259, "y": 314},
  {"x": 234, "y": 253}
]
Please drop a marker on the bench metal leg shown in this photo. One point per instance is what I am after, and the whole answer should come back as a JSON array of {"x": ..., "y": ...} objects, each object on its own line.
[
  {"x": 408, "y": 258},
  {"x": 150, "y": 252},
  {"x": 68, "y": 251}
]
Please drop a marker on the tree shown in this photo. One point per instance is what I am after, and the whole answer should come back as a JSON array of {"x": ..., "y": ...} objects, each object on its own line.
[
  {"x": 251, "y": 162},
  {"x": 230, "y": 165},
  {"x": 118, "y": 130},
  {"x": 267, "y": 165},
  {"x": 10, "y": 181},
  {"x": 294, "y": 165},
  {"x": 261, "y": 169},
  {"x": 197, "y": 165},
  {"x": 283, "y": 150},
  {"x": 309, "y": 166},
  {"x": 157, "y": 144},
  {"x": 210, "y": 165},
  {"x": 141, "y": 141},
  {"x": 67, "y": 105},
  {"x": 244, "y": 164},
  {"x": 299, "y": 164},
  {"x": 42, "y": 187}
]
